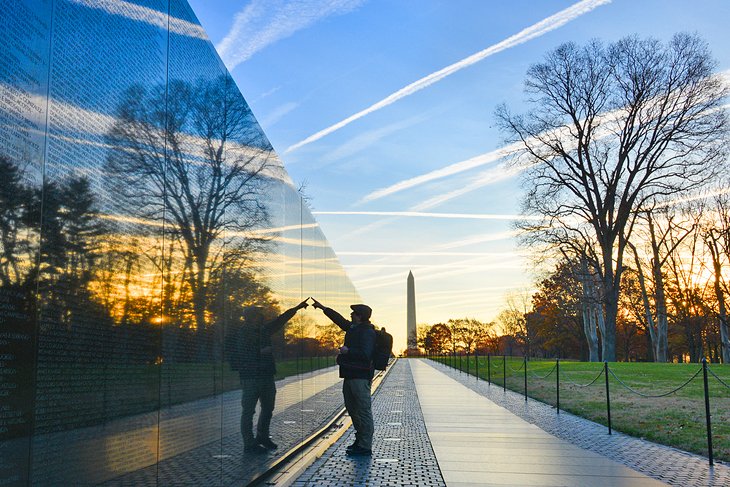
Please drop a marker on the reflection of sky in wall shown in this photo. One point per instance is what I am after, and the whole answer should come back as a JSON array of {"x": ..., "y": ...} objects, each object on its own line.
[
  {"x": 96, "y": 48},
  {"x": 101, "y": 64},
  {"x": 386, "y": 108}
]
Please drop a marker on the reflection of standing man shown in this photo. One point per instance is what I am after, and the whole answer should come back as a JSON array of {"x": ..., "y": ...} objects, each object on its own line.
[
  {"x": 252, "y": 356},
  {"x": 356, "y": 368}
]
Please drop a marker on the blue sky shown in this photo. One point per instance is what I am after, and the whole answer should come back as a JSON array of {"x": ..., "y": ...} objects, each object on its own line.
[{"x": 385, "y": 109}]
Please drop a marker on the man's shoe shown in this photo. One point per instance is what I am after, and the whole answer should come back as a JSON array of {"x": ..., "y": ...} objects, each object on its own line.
[
  {"x": 255, "y": 449},
  {"x": 350, "y": 447},
  {"x": 267, "y": 443},
  {"x": 359, "y": 451}
]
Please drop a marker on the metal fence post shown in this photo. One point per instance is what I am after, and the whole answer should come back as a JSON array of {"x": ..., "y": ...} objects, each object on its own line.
[
  {"x": 608, "y": 396},
  {"x": 467, "y": 362},
  {"x": 476, "y": 364},
  {"x": 504, "y": 373},
  {"x": 489, "y": 369},
  {"x": 557, "y": 382},
  {"x": 524, "y": 363},
  {"x": 460, "y": 362},
  {"x": 707, "y": 411}
]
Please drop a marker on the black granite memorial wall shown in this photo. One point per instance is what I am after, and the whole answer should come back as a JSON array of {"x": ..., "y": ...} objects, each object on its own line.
[{"x": 142, "y": 209}]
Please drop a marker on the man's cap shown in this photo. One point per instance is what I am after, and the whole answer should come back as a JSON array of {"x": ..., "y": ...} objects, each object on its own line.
[{"x": 363, "y": 311}]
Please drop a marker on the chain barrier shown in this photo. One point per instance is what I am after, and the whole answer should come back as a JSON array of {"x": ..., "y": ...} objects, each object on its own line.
[
  {"x": 585, "y": 385},
  {"x": 719, "y": 379},
  {"x": 630, "y": 389},
  {"x": 516, "y": 370},
  {"x": 497, "y": 358},
  {"x": 544, "y": 376}
]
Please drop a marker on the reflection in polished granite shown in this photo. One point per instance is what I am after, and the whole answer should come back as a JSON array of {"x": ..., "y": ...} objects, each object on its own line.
[
  {"x": 142, "y": 209},
  {"x": 304, "y": 403},
  {"x": 223, "y": 462}
]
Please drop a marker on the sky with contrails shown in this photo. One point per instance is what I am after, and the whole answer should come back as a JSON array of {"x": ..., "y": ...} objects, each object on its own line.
[{"x": 385, "y": 111}]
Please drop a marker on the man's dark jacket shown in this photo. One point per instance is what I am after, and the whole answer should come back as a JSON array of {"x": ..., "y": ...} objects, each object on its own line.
[
  {"x": 244, "y": 351},
  {"x": 357, "y": 363}
]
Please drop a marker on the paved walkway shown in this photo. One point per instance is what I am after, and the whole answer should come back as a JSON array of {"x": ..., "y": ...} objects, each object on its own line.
[
  {"x": 675, "y": 467},
  {"x": 456, "y": 431},
  {"x": 480, "y": 443}
]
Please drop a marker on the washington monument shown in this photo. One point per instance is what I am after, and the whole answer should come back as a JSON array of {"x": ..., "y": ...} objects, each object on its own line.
[{"x": 411, "y": 313}]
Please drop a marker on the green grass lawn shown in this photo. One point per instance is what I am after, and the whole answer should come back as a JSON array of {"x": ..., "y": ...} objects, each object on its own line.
[{"x": 676, "y": 420}]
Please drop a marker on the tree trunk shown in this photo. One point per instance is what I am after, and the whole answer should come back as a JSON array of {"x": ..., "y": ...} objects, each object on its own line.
[
  {"x": 589, "y": 322},
  {"x": 600, "y": 321},
  {"x": 662, "y": 341},
  {"x": 649, "y": 349},
  {"x": 654, "y": 344},
  {"x": 609, "y": 295},
  {"x": 599, "y": 316},
  {"x": 722, "y": 315},
  {"x": 661, "y": 346},
  {"x": 609, "y": 327}
]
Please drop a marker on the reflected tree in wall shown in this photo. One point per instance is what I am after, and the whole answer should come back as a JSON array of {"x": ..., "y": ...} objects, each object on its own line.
[
  {"x": 192, "y": 155},
  {"x": 51, "y": 245},
  {"x": 330, "y": 336},
  {"x": 15, "y": 243},
  {"x": 70, "y": 248}
]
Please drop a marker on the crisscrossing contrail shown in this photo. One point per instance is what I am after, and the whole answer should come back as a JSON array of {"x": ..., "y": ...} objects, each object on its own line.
[{"x": 536, "y": 30}]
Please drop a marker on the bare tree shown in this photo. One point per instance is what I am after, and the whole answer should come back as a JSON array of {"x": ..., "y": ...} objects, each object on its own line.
[
  {"x": 688, "y": 293},
  {"x": 513, "y": 319},
  {"x": 664, "y": 231},
  {"x": 716, "y": 235},
  {"x": 612, "y": 129},
  {"x": 193, "y": 156}
]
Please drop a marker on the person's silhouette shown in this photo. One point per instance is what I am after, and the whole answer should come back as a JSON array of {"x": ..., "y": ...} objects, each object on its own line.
[{"x": 252, "y": 356}]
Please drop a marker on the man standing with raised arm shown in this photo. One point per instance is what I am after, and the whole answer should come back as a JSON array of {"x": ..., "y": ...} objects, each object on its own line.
[
  {"x": 356, "y": 368},
  {"x": 251, "y": 355}
]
